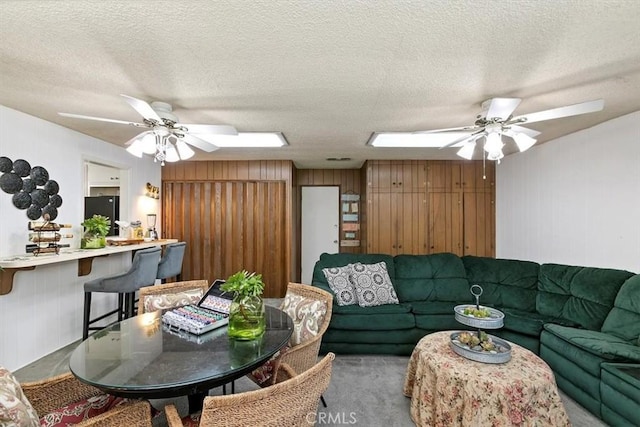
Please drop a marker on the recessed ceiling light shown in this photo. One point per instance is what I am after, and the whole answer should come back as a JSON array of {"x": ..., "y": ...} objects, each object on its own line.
[
  {"x": 413, "y": 140},
  {"x": 247, "y": 140}
]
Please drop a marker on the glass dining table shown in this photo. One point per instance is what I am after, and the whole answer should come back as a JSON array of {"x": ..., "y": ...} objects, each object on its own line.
[{"x": 140, "y": 357}]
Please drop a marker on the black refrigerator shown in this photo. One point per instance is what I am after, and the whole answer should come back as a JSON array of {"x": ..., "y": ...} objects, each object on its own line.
[{"x": 108, "y": 206}]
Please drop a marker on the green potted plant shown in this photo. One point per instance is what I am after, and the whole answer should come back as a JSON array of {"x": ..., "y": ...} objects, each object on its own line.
[
  {"x": 96, "y": 229},
  {"x": 246, "y": 316}
]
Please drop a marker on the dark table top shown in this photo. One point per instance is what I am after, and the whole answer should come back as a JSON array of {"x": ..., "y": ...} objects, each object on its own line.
[{"x": 142, "y": 358}]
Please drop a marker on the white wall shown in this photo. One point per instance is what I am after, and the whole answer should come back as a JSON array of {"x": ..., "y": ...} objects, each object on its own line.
[
  {"x": 574, "y": 200},
  {"x": 43, "y": 312}
]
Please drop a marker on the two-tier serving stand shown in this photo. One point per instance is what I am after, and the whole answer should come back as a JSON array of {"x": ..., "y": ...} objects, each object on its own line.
[{"x": 502, "y": 353}]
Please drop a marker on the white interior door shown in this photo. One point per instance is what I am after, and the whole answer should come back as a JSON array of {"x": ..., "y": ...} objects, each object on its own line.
[{"x": 320, "y": 212}]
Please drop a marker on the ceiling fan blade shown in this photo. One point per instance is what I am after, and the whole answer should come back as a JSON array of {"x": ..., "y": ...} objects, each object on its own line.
[
  {"x": 138, "y": 137},
  {"x": 458, "y": 129},
  {"x": 210, "y": 129},
  {"x": 466, "y": 138},
  {"x": 529, "y": 132},
  {"x": 102, "y": 119},
  {"x": 556, "y": 113},
  {"x": 199, "y": 143},
  {"x": 143, "y": 108},
  {"x": 501, "y": 108}
]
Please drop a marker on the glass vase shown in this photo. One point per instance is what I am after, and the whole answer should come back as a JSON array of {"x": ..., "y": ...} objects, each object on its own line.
[
  {"x": 93, "y": 241},
  {"x": 246, "y": 318}
]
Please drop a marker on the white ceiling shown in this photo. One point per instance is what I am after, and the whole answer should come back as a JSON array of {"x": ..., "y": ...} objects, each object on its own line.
[{"x": 325, "y": 73}]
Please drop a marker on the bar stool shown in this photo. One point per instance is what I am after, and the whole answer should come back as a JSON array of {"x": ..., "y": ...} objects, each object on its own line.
[
  {"x": 142, "y": 272},
  {"x": 171, "y": 262}
]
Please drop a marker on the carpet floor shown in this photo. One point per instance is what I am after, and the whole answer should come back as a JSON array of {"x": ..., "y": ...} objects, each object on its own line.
[{"x": 365, "y": 390}]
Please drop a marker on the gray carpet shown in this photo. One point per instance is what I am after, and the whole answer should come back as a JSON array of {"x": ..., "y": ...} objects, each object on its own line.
[{"x": 364, "y": 390}]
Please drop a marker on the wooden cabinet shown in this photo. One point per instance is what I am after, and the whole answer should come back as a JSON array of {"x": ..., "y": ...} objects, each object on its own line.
[
  {"x": 397, "y": 223},
  {"x": 478, "y": 176},
  {"x": 417, "y": 207},
  {"x": 405, "y": 176},
  {"x": 396, "y": 207},
  {"x": 445, "y": 222},
  {"x": 479, "y": 224},
  {"x": 443, "y": 175}
]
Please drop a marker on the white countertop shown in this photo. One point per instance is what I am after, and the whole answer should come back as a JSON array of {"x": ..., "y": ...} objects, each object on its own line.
[{"x": 66, "y": 254}]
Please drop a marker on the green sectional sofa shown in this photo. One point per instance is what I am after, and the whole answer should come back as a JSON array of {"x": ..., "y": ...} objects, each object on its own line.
[{"x": 578, "y": 319}]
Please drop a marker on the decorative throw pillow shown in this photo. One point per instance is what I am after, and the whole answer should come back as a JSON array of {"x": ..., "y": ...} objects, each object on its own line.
[
  {"x": 76, "y": 412},
  {"x": 178, "y": 299},
  {"x": 373, "y": 284},
  {"x": 307, "y": 314},
  {"x": 339, "y": 279},
  {"x": 15, "y": 408}
]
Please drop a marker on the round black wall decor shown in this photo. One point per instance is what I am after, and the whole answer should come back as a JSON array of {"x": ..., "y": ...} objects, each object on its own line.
[{"x": 31, "y": 188}]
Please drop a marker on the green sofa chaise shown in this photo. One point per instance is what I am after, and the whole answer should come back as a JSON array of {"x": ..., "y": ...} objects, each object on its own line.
[{"x": 582, "y": 321}]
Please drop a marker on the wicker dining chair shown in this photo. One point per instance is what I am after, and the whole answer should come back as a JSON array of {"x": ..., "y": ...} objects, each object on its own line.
[
  {"x": 304, "y": 355},
  {"x": 52, "y": 394},
  {"x": 170, "y": 295},
  {"x": 292, "y": 402}
]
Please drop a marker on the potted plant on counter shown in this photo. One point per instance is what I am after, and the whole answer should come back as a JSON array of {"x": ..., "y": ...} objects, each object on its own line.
[
  {"x": 96, "y": 229},
  {"x": 246, "y": 316}
]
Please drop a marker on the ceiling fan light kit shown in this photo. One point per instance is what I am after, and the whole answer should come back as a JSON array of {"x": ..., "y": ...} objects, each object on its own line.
[
  {"x": 168, "y": 140},
  {"x": 495, "y": 121}
]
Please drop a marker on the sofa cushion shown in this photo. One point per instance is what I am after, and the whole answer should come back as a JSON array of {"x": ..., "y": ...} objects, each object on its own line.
[
  {"x": 436, "y": 277},
  {"x": 402, "y": 308},
  {"x": 372, "y": 284},
  {"x": 583, "y": 295},
  {"x": 524, "y": 322},
  {"x": 369, "y": 321},
  {"x": 433, "y": 307},
  {"x": 505, "y": 282},
  {"x": 624, "y": 319},
  {"x": 15, "y": 408},
  {"x": 339, "y": 279},
  {"x": 605, "y": 346}
]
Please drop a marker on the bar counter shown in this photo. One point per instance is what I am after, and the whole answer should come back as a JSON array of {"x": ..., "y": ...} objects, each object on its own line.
[{"x": 12, "y": 264}]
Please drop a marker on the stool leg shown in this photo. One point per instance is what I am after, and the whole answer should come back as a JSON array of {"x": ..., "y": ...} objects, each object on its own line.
[
  {"x": 120, "y": 305},
  {"x": 87, "y": 312}
]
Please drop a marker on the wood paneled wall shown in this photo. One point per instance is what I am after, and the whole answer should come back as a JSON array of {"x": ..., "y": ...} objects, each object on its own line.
[
  {"x": 233, "y": 216},
  {"x": 349, "y": 181}
]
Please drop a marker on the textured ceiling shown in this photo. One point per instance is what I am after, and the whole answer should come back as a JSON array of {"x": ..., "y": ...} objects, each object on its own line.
[{"x": 325, "y": 73}]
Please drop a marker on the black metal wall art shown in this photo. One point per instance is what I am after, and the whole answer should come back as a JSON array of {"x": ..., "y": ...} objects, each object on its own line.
[{"x": 31, "y": 188}]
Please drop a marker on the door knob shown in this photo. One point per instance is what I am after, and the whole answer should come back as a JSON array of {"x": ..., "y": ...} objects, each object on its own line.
[{"x": 335, "y": 241}]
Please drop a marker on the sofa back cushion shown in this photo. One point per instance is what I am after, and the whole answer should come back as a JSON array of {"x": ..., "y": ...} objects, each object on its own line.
[
  {"x": 623, "y": 320},
  {"x": 340, "y": 260},
  {"x": 436, "y": 277},
  {"x": 582, "y": 295},
  {"x": 505, "y": 283}
]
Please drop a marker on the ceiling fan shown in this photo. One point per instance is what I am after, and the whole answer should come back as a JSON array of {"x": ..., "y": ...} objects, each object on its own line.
[
  {"x": 496, "y": 119},
  {"x": 166, "y": 138}
]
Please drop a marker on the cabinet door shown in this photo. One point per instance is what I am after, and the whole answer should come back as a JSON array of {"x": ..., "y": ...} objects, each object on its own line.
[
  {"x": 478, "y": 176},
  {"x": 411, "y": 176},
  {"x": 443, "y": 176},
  {"x": 445, "y": 223},
  {"x": 411, "y": 223},
  {"x": 381, "y": 177},
  {"x": 380, "y": 233},
  {"x": 479, "y": 224}
]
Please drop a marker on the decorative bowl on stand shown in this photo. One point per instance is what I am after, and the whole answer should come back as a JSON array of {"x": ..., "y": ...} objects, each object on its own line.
[{"x": 479, "y": 317}]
